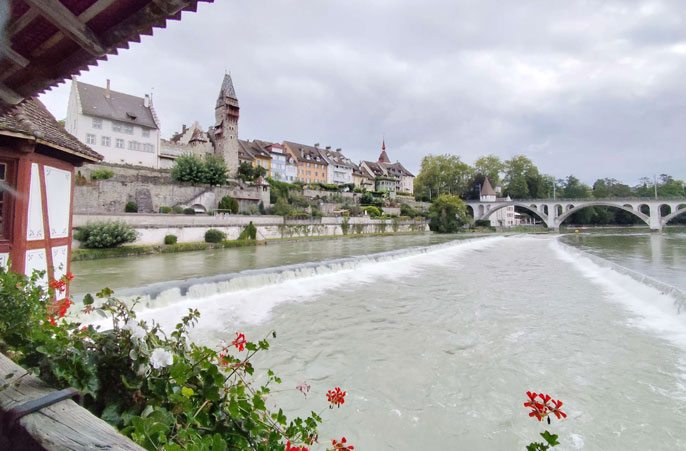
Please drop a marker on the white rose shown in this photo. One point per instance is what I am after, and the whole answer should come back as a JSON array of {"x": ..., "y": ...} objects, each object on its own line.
[
  {"x": 161, "y": 358},
  {"x": 136, "y": 330}
]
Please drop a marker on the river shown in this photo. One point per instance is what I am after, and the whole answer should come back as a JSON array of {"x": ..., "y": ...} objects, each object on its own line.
[{"x": 436, "y": 340}]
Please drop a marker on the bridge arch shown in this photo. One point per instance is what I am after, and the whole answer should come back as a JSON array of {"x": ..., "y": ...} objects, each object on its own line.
[
  {"x": 531, "y": 208},
  {"x": 568, "y": 213},
  {"x": 680, "y": 210}
]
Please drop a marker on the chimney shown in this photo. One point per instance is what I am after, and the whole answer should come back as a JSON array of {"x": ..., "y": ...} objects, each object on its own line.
[
  {"x": 107, "y": 91},
  {"x": 146, "y": 101},
  {"x": 183, "y": 128},
  {"x": 328, "y": 147},
  {"x": 339, "y": 149},
  {"x": 316, "y": 145}
]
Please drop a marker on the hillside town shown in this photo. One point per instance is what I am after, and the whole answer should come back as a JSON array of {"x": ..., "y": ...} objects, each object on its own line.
[{"x": 125, "y": 129}]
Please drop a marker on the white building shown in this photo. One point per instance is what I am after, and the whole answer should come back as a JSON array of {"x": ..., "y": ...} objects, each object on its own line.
[
  {"x": 123, "y": 128},
  {"x": 506, "y": 216},
  {"x": 340, "y": 168},
  {"x": 284, "y": 168}
]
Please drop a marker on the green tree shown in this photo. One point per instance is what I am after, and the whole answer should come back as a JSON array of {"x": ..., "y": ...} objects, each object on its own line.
[
  {"x": 447, "y": 213},
  {"x": 490, "y": 166},
  {"x": 519, "y": 173},
  {"x": 214, "y": 170},
  {"x": 187, "y": 168},
  {"x": 574, "y": 189},
  {"x": 443, "y": 174},
  {"x": 228, "y": 203}
]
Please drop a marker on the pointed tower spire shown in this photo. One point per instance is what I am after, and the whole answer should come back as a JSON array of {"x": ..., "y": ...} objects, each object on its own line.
[
  {"x": 383, "y": 158},
  {"x": 383, "y": 144},
  {"x": 226, "y": 91}
]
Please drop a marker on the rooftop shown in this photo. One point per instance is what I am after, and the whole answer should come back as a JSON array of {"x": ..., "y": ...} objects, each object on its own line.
[{"x": 114, "y": 105}]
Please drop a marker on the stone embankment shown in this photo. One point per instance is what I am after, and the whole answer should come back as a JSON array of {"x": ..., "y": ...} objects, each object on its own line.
[{"x": 152, "y": 228}]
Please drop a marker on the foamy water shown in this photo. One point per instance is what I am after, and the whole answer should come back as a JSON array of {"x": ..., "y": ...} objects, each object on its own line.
[{"x": 436, "y": 346}]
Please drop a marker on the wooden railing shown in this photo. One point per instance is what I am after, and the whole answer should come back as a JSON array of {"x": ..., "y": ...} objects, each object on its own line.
[{"x": 61, "y": 426}]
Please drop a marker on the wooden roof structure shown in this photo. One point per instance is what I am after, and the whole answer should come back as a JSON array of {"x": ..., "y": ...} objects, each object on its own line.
[{"x": 44, "y": 42}]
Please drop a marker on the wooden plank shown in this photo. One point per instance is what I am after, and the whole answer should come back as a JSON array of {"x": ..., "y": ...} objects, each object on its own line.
[
  {"x": 58, "y": 15},
  {"x": 8, "y": 96},
  {"x": 12, "y": 55},
  {"x": 62, "y": 426}
]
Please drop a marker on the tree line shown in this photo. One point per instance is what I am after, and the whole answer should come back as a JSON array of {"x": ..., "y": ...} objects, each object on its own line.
[{"x": 519, "y": 178}]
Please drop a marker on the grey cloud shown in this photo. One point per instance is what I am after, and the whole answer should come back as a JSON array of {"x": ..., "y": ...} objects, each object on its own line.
[{"x": 584, "y": 87}]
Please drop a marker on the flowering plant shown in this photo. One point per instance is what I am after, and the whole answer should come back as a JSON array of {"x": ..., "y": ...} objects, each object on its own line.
[
  {"x": 161, "y": 389},
  {"x": 542, "y": 406}
]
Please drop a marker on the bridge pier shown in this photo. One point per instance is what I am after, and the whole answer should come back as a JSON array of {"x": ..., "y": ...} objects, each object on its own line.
[{"x": 655, "y": 222}]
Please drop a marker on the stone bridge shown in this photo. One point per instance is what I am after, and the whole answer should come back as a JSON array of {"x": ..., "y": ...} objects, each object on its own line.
[{"x": 553, "y": 212}]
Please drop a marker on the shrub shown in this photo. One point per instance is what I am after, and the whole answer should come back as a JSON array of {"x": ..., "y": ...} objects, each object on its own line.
[
  {"x": 189, "y": 211},
  {"x": 249, "y": 233},
  {"x": 228, "y": 203},
  {"x": 101, "y": 174},
  {"x": 214, "y": 236},
  {"x": 447, "y": 213},
  {"x": 106, "y": 234},
  {"x": 406, "y": 210},
  {"x": 282, "y": 208},
  {"x": 165, "y": 210},
  {"x": 316, "y": 213},
  {"x": 170, "y": 239},
  {"x": 260, "y": 208},
  {"x": 372, "y": 211},
  {"x": 482, "y": 223},
  {"x": 177, "y": 209},
  {"x": 131, "y": 207}
]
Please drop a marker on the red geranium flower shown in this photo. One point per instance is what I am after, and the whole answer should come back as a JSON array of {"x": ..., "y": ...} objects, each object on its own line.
[
  {"x": 295, "y": 448},
  {"x": 239, "y": 342},
  {"x": 341, "y": 445},
  {"x": 335, "y": 397}
]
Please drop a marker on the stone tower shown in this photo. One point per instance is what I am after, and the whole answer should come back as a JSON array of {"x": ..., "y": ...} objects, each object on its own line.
[{"x": 226, "y": 126}]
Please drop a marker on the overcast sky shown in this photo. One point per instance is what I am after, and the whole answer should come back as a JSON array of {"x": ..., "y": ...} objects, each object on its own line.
[{"x": 594, "y": 88}]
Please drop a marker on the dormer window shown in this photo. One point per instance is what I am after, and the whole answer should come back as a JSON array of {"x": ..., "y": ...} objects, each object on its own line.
[{"x": 131, "y": 116}]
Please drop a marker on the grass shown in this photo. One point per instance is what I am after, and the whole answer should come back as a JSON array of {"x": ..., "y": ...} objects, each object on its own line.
[{"x": 131, "y": 251}]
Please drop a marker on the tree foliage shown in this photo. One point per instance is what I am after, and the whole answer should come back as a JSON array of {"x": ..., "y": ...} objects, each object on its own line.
[
  {"x": 447, "y": 214},
  {"x": 191, "y": 169}
]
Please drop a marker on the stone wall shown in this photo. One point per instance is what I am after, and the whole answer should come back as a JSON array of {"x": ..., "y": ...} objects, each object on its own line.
[
  {"x": 152, "y": 189},
  {"x": 191, "y": 228}
]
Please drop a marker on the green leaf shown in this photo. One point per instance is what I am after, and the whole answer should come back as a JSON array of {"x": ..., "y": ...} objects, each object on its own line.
[
  {"x": 88, "y": 299},
  {"x": 550, "y": 438},
  {"x": 187, "y": 392},
  {"x": 218, "y": 443}
]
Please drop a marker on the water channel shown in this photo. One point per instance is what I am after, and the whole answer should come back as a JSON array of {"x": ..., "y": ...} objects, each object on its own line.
[{"x": 436, "y": 339}]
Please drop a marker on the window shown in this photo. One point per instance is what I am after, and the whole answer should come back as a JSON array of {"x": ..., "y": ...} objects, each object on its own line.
[
  {"x": 105, "y": 141},
  {"x": 308, "y": 165},
  {"x": 97, "y": 123},
  {"x": 119, "y": 143},
  {"x": 116, "y": 127},
  {"x": 90, "y": 138},
  {"x": 146, "y": 133},
  {"x": 128, "y": 129},
  {"x": 148, "y": 148},
  {"x": 133, "y": 145}
]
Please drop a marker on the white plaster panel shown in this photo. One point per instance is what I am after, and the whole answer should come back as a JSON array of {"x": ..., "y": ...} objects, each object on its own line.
[
  {"x": 34, "y": 229},
  {"x": 58, "y": 193},
  {"x": 59, "y": 261},
  {"x": 3, "y": 260},
  {"x": 36, "y": 261}
]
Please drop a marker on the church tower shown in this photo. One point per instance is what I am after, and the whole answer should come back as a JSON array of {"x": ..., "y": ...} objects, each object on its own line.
[{"x": 226, "y": 125}]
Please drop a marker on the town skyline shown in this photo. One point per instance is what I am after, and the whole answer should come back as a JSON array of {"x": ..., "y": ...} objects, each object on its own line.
[{"x": 573, "y": 108}]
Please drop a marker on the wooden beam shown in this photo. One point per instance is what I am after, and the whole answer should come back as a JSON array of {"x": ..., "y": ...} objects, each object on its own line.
[
  {"x": 22, "y": 22},
  {"x": 12, "y": 55},
  {"x": 58, "y": 15},
  {"x": 8, "y": 96}
]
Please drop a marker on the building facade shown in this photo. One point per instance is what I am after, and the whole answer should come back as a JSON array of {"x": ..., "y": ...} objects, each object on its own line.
[
  {"x": 340, "y": 169},
  {"x": 123, "y": 128},
  {"x": 225, "y": 130},
  {"x": 403, "y": 179},
  {"x": 312, "y": 167},
  {"x": 284, "y": 167},
  {"x": 505, "y": 217}
]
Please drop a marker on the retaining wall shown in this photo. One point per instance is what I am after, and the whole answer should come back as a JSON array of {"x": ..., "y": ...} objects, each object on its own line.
[{"x": 191, "y": 228}]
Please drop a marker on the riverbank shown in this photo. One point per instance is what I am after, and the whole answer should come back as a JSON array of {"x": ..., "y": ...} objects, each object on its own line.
[{"x": 83, "y": 254}]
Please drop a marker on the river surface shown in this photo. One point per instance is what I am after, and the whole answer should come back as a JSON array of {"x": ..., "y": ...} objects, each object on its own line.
[{"x": 436, "y": 340}]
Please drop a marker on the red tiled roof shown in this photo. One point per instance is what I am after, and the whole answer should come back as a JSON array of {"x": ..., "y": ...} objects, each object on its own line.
[{"x": 32, "y": 120}]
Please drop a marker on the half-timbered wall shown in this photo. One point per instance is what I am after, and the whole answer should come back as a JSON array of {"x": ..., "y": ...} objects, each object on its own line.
[{"x": 41, "y": 194}]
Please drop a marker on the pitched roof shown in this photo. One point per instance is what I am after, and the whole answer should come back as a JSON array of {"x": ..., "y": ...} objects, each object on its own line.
[
  {"x": 376, "y": 168},
  {"x": 397, "y": 169},
  {"x": 336, "y": 157},
  {"x": 383, "y": 158},
  {"x": 44, "y": 48},
  {"x": 118, "y": 106},
  {"x": 487, "y": 189},
  {"x": 253, "y": 149},
  {"x": 32, "y": 119},
  {"x": 226, "y": 90},
  {"x": 244, "y": 151},
  {"x": 304, "y": 152}
]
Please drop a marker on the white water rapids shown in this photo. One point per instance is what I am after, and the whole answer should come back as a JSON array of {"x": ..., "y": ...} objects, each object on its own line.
[{"x": 436, "y": 346}]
